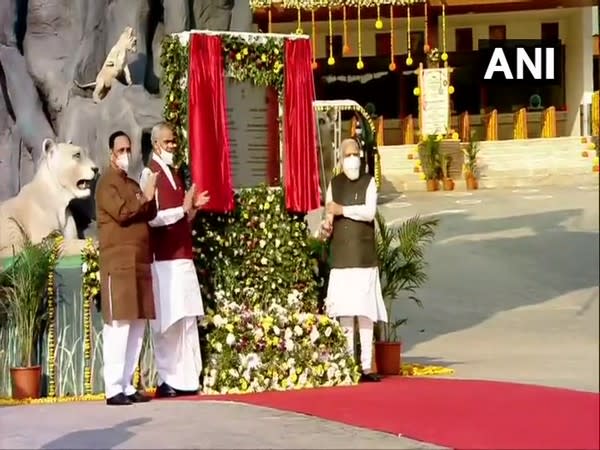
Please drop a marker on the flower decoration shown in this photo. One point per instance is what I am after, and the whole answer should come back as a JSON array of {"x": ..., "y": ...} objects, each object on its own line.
[{"x": 260, "y": 62}]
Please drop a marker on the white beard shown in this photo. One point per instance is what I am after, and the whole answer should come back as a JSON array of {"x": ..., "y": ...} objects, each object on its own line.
[{"x": 352, "y": 174}]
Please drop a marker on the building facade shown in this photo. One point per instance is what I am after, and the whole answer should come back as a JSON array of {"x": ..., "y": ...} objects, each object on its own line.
[{"x": 383, "y": 37}]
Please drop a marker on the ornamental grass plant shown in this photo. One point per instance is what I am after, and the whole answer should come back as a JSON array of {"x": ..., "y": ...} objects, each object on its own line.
[{"x": 23, "y": 293}]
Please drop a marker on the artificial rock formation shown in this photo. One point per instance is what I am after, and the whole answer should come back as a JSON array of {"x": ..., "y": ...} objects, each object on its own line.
[{"x": 45, "y": 45}]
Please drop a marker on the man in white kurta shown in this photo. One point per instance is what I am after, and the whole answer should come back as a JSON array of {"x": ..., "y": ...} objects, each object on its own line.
[
  {"x": 176, "y": 288},
  {"x": 354, "y": 288}
]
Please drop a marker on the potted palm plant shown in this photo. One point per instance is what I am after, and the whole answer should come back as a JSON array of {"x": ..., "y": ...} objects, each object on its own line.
[
  {"x": 429, "y": 154},
  {"x": 471, "y": 150},
  {"x": 23, "y": 292},
  {"x": 447, "y": 183},
  {"x": 400, "y": 250}
]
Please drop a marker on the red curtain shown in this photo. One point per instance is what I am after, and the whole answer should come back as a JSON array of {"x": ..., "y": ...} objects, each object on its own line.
[
  {"x": 301, "y": 174},
  {"x": 208, "y": 137}
]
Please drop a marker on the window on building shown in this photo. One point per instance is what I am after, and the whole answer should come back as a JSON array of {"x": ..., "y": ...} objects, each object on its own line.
[
  {"x": 550, "y": 31},
  {"x": 497, "y": 32},
  {"x": 464, "y": 39},
  {"x": 383, "y": 43},
  {"x": 337, "y": 45}
]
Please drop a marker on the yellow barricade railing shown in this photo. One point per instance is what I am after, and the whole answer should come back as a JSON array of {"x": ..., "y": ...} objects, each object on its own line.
[
  {"x": 380, "y": 131},
  {"x": 491, "y": 126},
  {"x": 520, "y": 124},
  {"x": 549, "y": 123},
  {"x": 596, "y": 114},
  {"x": 408, "y": 130}
]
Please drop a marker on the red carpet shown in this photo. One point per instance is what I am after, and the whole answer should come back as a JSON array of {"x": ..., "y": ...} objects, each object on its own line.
[{"x": 459, "y": 414}]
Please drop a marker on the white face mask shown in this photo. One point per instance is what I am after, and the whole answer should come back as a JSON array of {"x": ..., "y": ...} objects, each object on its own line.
[
  {"x": 351, "y": 166},
  {"x": 167, "y": 157},
  {"x": 122, "y": 162}
]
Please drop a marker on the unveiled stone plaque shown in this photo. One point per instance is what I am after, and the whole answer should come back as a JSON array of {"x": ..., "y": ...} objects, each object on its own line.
[{"x": 247, "y": 111}]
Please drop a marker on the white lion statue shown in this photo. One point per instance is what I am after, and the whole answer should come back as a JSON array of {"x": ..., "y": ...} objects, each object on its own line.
[{"x": 65, "y": 173}]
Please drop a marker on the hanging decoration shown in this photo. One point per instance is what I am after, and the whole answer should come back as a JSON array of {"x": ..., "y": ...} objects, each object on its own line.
[
  {"x": 360, "y": 64},
  {"x": 444, "y": 54},
  {"x": 270, "y": 20},
  {"x": 299, "y": 22},
  {"x": 378, "y": 22},
  {"x": 331, "y": 59},
  {"x": 426, "y": 44},
  {"x": 346, "y": 48},
  {"x": 314, "y": 64},
  {"x": 308, "y": 4},
  {"x": 392, "y": 65},
  {"x": 409, "y": 59}
]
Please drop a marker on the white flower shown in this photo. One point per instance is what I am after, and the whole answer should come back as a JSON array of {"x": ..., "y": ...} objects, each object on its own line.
[
  {"x": 247, "y": 375},
  {"x": 262, "y": 225},
  {"x": 209, "y": 381},
  {"x": 288, "y": 334},
  {"x": 258, "y": 333},
  {"x": 213, "y": 373},
  {"x": 264, "y": 261},
  {"x": 277, "y": 243},
  {"x": 234, "y": 373},
  {"x": 302, "y": 379},
  {"x": 252, "y": 361},
  {"x": 218, "y": 347},
  {"x": 328, "y": 331},
  {"x": 289, "y": 345},
  {"x": 262, "y": 243},
  {"x": 84, "y": 268},
  {"x": 291, "y": 362},
  {"x": 314, "y": 356},
  {"x": 314, "y": 334},
  {"x": 230, "y": 339},
  {"x": 330, "y": 372},
  {"x": 219, "y": 321},
  {"x": 276, "y": 330},
  {"x": 298, "y": 331}
]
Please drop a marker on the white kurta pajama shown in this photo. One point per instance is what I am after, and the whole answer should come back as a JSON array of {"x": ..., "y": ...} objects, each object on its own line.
[
  {"x": 178, "y": 305},
  {"x": 356, "y": 291}
]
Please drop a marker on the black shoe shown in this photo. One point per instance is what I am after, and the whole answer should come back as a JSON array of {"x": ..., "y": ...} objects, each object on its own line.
[
  {"x": 138, "y": 397},
  {"x": 179, "y": 393},
  {"x": 370, "y": 378},
  {"x": 119, "y": 399},
  {"x": 165, "y": 391}
]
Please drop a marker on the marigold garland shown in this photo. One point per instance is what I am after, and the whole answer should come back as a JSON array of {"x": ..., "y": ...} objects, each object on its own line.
[
  {"x": 91, "y": 294},
  {"x": 51, "y": 298}
]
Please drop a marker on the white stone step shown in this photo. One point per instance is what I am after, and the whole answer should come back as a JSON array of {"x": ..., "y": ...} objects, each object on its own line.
[{"x": 529, "y": 162}]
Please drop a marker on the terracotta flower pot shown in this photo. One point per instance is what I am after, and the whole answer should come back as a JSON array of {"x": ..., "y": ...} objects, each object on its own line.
[
  {"x": 433, "y": 185},
  {"x": 387, "y": 356},
  {"x": 472, "y": 183},
  {"x": 26, "y": 382},
  {"x": 448, "y": 184}
]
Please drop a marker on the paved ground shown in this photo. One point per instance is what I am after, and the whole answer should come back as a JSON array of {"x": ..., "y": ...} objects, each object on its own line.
[
  {"x": 513, "y": 295},
  {"x": 513, "y": 290}
]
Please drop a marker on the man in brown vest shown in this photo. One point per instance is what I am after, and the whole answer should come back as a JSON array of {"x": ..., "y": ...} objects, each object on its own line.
[
  {"x": 122, "y": 213},
  {"x": 354, "y": 288},
  {"x": 176, "y": 289}
]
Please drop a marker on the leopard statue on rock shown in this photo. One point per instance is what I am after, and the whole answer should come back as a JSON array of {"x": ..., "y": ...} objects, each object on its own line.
[{"x": 114, "y": 66}]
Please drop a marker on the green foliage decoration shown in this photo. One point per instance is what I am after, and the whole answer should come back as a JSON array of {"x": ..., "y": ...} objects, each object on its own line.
[
  {"x": 260, "y": 62},
  {"x": 174, "y": 63}
]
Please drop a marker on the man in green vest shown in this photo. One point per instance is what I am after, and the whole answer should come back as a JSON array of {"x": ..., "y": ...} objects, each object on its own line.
[{"x": 354, "y": 288}]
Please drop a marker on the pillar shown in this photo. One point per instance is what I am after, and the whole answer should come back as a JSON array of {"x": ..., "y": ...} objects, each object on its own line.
[{"x": 579, "y": 72}]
